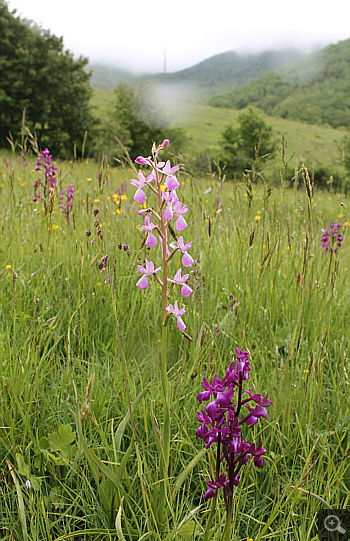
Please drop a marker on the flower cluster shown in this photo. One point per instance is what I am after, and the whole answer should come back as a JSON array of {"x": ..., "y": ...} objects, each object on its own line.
[
  {"x": 49, "y": 183},
  {"x": 220, "y": 423},
  {"x": 332, "y": 238},
  {"x": 67, "y": 201},
  {"x": 163, "y": 182}
]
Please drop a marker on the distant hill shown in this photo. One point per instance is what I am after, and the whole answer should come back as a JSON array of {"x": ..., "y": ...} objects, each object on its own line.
[
  {"x": 314, "y": 89},
  {"x": 218, "y": 73},
  {"x": 230, "y": 69},
  {"x": 107, "y": 77}
]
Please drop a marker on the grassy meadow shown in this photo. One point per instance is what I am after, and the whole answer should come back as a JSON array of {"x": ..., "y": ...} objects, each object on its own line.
[
  {"x": 261, "y": 281},
  {"x": 203, "y": 124}
]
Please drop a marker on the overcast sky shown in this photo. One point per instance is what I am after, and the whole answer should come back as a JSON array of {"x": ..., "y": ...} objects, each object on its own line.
[{"x": 135, "y": 34}]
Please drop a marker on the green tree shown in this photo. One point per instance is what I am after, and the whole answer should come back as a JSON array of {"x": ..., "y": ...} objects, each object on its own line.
[
  {"x": 239, "y": 143},
  {"x": 38, "y": 75},
  {"x": 136, "y": 121}
]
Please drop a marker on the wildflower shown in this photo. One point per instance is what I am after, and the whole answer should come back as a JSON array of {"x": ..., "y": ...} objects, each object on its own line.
[
  {"x": 8, "y": 267},
  {"x": 181, "y": 280},
  {"x": 146, "y": 271},
  {"x": 179, "y": 211},
  {"x": 187, "y": 260},
  {"x": 148, "y": 227},
  {"x": 175, "y": 311},
  {"x": 220, "y": 424},
  {"x": 332, "y": 237},
  {"x": 140, "y": 195},
  {"x": 28, "y": 485}
]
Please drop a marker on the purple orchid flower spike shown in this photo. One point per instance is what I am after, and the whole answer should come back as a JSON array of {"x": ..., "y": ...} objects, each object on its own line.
[
  {"x": 148, "y": 227},
  {"x": 177, "y": 312},
  {"x": 181, "y": 280},
  {"x": 146, "y": 271},
  {"x": 187, "y": 260}
]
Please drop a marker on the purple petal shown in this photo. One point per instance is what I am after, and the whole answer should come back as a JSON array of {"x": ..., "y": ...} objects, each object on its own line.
[
  {"x": 141, "y": 160},
  {"x": 187, "y": 260},
  {"x": 172, "y": 183},
  {"x": 180, "y": 224},
  {"x": 140, "y": 196},
  {"x": 168, "y": 213},
  {"x": 186, "y": 290},
  {"x": 180, "y": 324},
  {"x": 209, "y": 494},
  {"x": 151, "y": 240},
  {"x": 143, "y": 282}
]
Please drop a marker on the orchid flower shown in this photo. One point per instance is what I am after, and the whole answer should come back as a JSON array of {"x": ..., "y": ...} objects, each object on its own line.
[
  {"x": 187, "y": 260},
  {"x": 177, "y": 312},
  {"x": 140, "y": 195},
  {"x": 179, "y": 211},
  {"x": 148, "y": 227},
  {"x": 146, "y": 271},
  {"x": 181, "y": 280}
]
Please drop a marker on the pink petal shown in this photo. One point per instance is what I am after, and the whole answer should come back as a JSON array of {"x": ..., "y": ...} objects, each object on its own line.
[
  {"x": 151, "y": 240},
  {"x": 143, "y": 282},
  {"x": 172, "y": 183},
  {"x": 140, "y": 196},
  {"x": 187, "y": 260},
  {"x": 168, "y": 214},
  {"x": 180, "y": 324},
  {"x": 141, "y": 160},
  {"x": 186, "y": 290},
  {"x": 180, "y": 224}
]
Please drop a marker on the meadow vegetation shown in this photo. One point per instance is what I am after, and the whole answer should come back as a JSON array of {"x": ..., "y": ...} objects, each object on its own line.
[
  {"x": 98, "y": 402},
  {"x": 262, "y": 281}
]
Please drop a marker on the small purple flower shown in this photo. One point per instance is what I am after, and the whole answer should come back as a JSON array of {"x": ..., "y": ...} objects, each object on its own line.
[
  {"x": 148, "y": 227},
  {"x": 179, "y": 211},
  {"x": 146, "y": 271},
  {"x": 177, "y": 312},
  {"x": 181, "y": 280},
  {"x": 140, "y": 195},
  {"x": 187, "y": 260},
  {"x": 168, "y": 170},
  {"x": 332, "y": 237},
  {"x": 141, "y": 160},
  {"x": 28, "y": 485}
]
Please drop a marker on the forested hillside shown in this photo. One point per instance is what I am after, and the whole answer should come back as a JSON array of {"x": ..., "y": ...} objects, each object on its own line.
[
  {"x": 314, "y": 89},
  {"x": 218, "y": 73}
]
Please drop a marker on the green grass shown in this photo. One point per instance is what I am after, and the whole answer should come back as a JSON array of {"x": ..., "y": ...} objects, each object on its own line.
[
  {"x": 203, "y": 124},
  {"x": 57, "y": 329}
]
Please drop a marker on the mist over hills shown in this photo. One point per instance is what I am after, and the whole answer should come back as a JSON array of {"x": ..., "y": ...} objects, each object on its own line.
[{"x": 313, "y": 89}]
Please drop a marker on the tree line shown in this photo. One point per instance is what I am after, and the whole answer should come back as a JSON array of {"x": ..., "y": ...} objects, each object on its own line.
[{"x": 39, "y": 77}]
